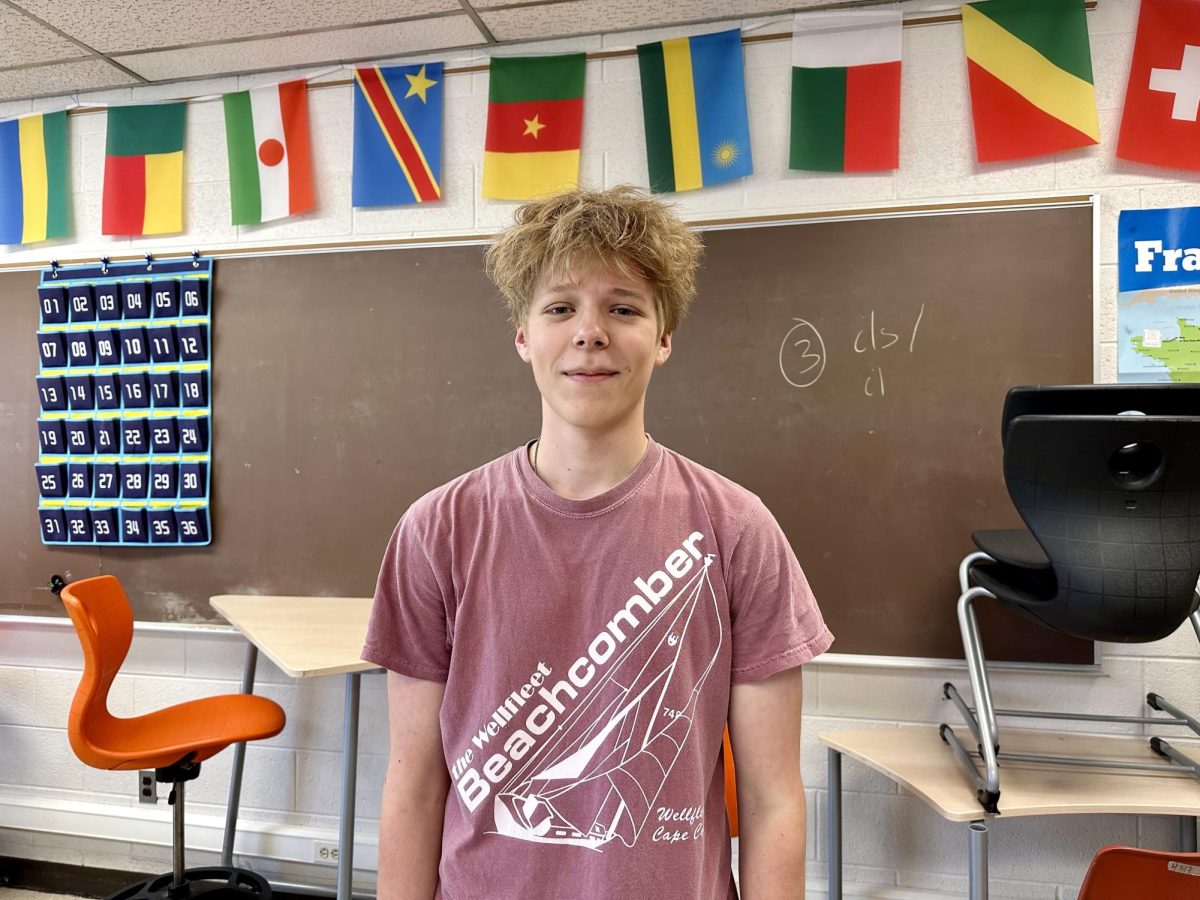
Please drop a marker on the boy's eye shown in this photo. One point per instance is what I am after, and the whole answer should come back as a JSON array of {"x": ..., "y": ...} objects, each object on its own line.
[
  {"x": 555, "y": 310},
  {"x": 626, "y": 311}
]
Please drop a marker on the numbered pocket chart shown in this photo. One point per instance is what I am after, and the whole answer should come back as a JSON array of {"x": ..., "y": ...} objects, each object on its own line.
[{"x": 125, "y": 403}]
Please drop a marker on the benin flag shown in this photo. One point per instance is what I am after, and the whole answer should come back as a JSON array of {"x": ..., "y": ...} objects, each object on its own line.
[
  {"x": 535, "y": 121},
  {"x": 143, "y": 170},
  {"x": 846, "y": 90},
  {"x": 694, "y": 107},
  {"x": 33, "y": 178},
  {"x": 1030, "y": 68},
  {"x": 270, "y": 165}
]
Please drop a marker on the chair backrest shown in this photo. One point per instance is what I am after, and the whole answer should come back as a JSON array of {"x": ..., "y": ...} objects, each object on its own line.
[
  {"x": 730, "y": 785},
  {"x": 1115, "y": 503},
  {"x": 1121, "y": 873},
  {"x": 1098, "y": 400},
  {"x": 103, "y": 622}
]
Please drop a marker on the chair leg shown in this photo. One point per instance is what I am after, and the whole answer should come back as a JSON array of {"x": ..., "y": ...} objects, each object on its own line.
[
  {"x": 178, "y": 881},
  {"x": 983, "y": 722}
]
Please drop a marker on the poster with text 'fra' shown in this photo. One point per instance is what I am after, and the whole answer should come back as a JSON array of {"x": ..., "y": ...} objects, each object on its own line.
[{"x": 1158, "y": 304}]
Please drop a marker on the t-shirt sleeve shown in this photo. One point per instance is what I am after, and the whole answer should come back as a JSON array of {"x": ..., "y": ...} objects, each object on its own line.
[
  {"x": 776, "y": 622},
  {"x": 408, "y": 632}
]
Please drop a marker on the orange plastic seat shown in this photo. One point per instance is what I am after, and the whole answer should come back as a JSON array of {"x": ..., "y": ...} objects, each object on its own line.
[
  {"x": 103, "y": 620},
  {"x": 1121, "y": 873}
]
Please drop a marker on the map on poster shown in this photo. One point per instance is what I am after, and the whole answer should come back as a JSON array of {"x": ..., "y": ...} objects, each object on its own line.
[{"x": 1158, "y": 305}]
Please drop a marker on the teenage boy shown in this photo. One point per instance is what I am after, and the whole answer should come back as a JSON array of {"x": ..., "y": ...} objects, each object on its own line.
[{"x": 569, "y": 627}]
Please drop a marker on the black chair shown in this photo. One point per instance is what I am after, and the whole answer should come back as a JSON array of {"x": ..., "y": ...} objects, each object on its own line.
[{"x": 1112, "y": 504}]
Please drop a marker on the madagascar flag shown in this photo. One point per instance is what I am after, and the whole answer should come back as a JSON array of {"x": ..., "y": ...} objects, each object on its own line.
[
  {"x": 1030, "y": 68},
  {"x": 694, "y": 106},
  {"x": 143, "y": 170},
  {"x": 535, "y": 121},
  {"x": 846, "y": 90}
]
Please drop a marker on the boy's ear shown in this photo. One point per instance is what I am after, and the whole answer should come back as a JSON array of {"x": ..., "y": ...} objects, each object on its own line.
[
  {"x": 521, "y": 344},
  {"x": 664, "y": 350}
]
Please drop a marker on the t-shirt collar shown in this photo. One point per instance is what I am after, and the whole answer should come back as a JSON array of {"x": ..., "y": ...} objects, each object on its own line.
[{"x": 601, "y": 503}]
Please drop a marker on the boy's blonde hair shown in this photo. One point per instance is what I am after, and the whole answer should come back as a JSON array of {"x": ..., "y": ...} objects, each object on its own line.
[{"x": 620, "y": 227}]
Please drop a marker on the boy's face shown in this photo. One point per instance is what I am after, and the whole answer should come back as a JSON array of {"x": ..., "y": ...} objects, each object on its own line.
[{"x": 592, "y": 339}]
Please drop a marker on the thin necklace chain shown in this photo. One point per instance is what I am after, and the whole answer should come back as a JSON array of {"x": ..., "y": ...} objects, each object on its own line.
[{"x": 536, "y": 444}]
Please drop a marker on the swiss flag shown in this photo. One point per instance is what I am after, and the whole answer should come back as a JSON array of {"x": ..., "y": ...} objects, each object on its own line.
[{"x": 1161, "y": 122}]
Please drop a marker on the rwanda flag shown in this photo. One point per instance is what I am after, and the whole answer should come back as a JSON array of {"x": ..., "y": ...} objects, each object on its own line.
[
  {"x": 694, "y": 104},
  {"x": 397, "y": 135},
  {"x": 33, "y": 178}
]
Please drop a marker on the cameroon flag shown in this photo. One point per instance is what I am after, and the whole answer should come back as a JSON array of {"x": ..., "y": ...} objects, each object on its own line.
[
  {"x": 534, "y": 126},
  {"x": 1030, "y": 68},
  {"x": 143, "y": 170},
  {"x": 694, "y": 106}
]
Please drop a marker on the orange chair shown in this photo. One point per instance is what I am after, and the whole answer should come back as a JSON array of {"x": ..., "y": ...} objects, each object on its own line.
[
  {"x": 172, "y": 741},
  {"x": 730, "y": 787},
  {"x": 1122, "y": 873}
]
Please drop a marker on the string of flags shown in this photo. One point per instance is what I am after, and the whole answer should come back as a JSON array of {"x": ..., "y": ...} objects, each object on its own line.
[{"x": 1029, "y": 71}]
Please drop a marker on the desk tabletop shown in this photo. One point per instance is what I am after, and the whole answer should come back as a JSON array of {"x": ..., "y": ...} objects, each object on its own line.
[
  {"x": 304, "y": 636},
  {"x": 917, "y": 758}
]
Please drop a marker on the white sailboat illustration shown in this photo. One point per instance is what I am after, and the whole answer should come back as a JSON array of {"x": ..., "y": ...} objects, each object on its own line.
[{"x": 599, "y": 777}]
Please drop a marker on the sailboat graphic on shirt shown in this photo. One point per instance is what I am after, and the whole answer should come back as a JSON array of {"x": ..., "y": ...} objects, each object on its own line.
[{"x": 600, "y": 775}]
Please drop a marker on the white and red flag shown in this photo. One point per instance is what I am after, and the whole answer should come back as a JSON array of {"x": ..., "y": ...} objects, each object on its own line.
[{"x": 1161, "y": 121}]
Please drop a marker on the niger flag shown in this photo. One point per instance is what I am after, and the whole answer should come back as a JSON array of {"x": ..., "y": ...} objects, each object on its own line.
[
  {"x": 535, "y": 120},
  {"x": 143, "y": 170}
]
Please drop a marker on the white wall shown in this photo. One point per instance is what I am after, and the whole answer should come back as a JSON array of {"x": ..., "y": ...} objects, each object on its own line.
[{"x": 893, "y": 843}]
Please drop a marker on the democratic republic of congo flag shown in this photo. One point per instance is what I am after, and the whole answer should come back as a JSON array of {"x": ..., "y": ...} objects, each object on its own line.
[
  {"x": 694, "y": 106},
  {"x": 143, "y": 169},
  {"x": 534, "y": 125},
  {"x": 397, "y": 135},
  {"x": 1030, "y": 69},
  {"x": 33, "y": 178}
]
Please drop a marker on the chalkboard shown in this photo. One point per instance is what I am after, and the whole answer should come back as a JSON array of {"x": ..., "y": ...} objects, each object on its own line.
[{"x": 851, "y": 373}]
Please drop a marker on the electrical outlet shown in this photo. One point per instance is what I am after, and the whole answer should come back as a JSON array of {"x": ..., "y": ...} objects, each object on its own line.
[
  {"x": 147, "y": 786},
  {"x": 325, "y": 852}
]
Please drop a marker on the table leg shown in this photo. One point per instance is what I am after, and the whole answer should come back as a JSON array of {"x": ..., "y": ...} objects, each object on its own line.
[
  {"x": 349, "y": 779},
  {"x": 978, "y": 861},
  {"x": 239, "y": 759},
  {"x": 1187, "y": 834},
  {"x": 835, "y": 824}
]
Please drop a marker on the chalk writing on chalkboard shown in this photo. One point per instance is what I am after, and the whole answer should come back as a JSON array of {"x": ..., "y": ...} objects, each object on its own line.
[{"x": 802, "y": 355}]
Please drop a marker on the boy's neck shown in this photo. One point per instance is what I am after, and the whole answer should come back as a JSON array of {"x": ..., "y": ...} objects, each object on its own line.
[{"x": 579, "y": 465}]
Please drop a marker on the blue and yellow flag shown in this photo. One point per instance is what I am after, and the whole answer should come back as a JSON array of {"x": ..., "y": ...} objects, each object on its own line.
[
  {"x": 694, "y": 104},
  {"x": 397, "y": 135},
  {"x": 33, "y": 178}
]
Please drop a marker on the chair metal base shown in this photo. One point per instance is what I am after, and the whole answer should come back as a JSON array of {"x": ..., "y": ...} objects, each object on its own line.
[
  {"x": 981, "y": 719},
  {"x": 211, "y": 883}
]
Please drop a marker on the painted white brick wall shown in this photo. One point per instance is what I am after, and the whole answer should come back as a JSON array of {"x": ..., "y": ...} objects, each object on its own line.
[{"x": 892, "y": 840}]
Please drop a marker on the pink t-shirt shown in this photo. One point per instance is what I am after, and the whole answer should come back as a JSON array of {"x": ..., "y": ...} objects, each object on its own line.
[{"x": 587, "y": 648}]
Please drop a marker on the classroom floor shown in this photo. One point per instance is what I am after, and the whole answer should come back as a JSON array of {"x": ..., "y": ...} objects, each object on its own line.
[{"x": 14, "y": 894}]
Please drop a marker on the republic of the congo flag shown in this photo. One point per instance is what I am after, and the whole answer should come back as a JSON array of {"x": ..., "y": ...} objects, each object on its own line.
[
  {"x": 397, "y": 135},
  {"x": 270, "y": 162},
  {"x": 1030, "y": 68},
  {"x": 33, "y": 178},
  {"x": 143, "y": 170},
  {"x": 534, "y": 126},
  {"x": 846, "y": 90},
  {"x": 694, "y": 105}
]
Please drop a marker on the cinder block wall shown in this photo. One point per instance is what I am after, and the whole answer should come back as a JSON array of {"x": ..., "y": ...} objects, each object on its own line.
[{"x": 894, "y": 847}]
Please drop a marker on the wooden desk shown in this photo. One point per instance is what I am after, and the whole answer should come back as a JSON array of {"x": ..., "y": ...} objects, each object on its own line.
[
  {"x": 917, "y": 758},
  {"x": 306, "y": 637}
]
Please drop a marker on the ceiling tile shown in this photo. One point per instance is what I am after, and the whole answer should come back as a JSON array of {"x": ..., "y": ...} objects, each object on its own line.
[
  {"x": 145, "y": 24},
  {"x": 584, "y": 16},
  {"x": 367, "y": 43},
  {"x": 61, "y": 78},
  {"x": 24, "y": 41}
]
